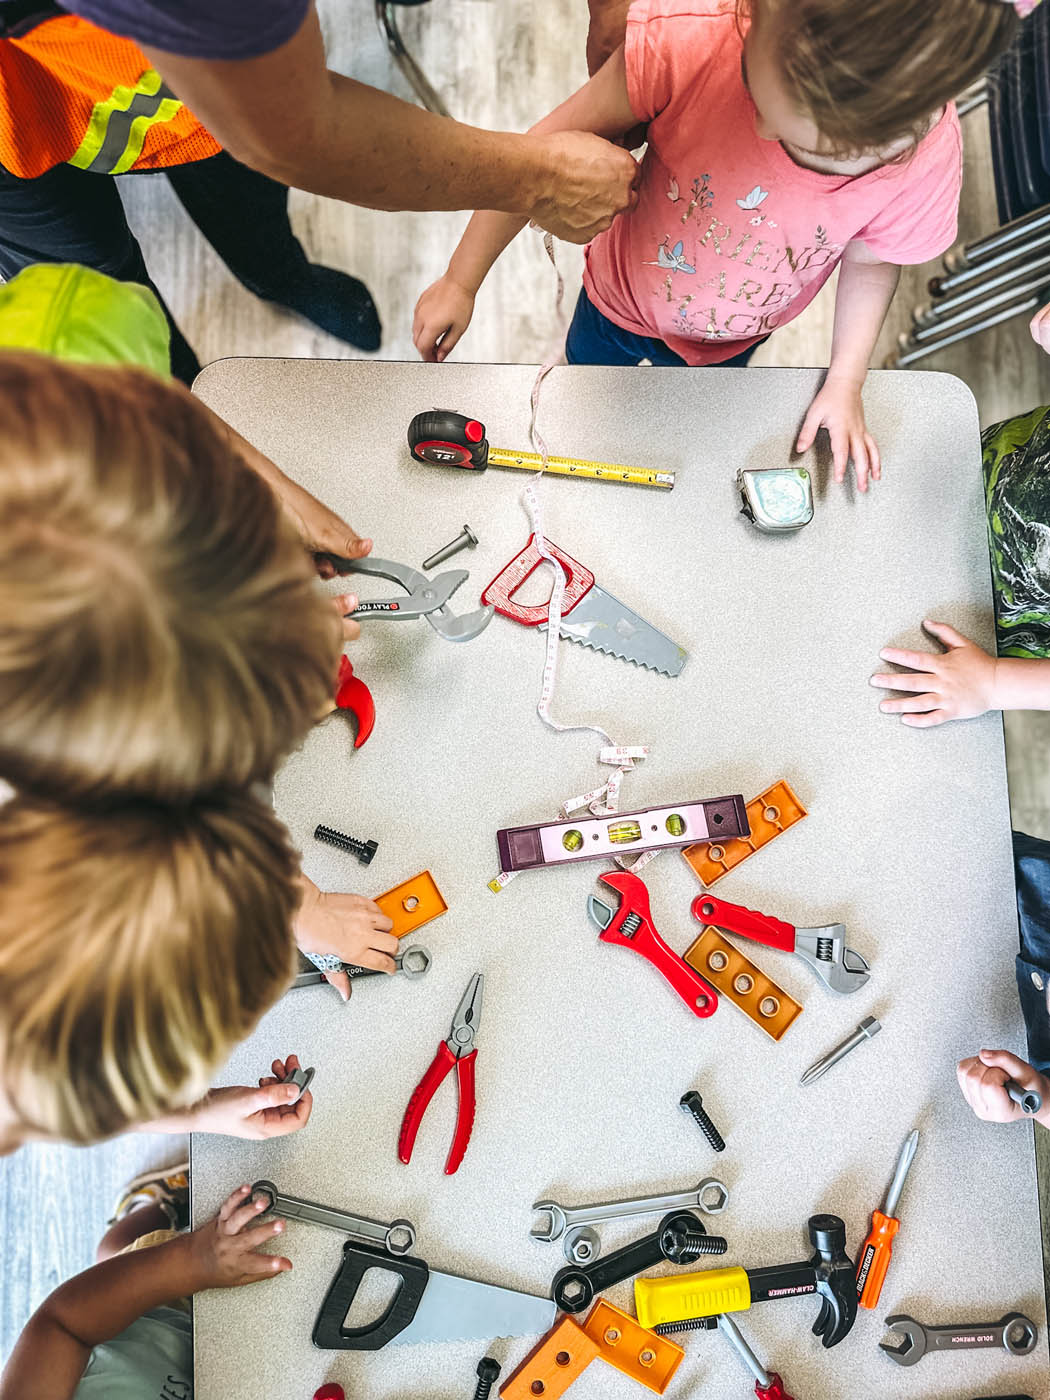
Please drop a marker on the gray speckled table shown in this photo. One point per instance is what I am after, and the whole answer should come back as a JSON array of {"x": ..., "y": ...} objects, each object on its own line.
[{"x": 583, "y": 1050}]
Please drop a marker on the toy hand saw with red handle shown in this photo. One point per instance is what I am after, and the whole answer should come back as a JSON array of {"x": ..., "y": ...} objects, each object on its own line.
[{"x": 589, "y": 616}]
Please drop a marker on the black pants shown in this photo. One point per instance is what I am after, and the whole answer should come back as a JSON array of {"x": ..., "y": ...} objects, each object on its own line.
[{"x": 70, "y": 215}]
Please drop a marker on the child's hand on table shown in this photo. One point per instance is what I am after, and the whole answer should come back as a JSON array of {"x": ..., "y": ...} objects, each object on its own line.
[
  {"x": 352, "y": 927},
  {"x": 959, "y": 684},
  {"x": 225, "y": 1251},
  {"x": 982, "y": 1077},
  {"x": 1039, "y": 326},
  {"x": 265, "y": 1112},
  {"x": 443, "y": 313},
  {"x": 839, "y": 409}
]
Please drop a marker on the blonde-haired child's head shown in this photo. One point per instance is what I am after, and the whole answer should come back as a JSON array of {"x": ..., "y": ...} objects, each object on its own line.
[
  {"x": 161, "y": 630},
  {"x": 138, "y": 945},
  {"x": 840, "y": 79}
]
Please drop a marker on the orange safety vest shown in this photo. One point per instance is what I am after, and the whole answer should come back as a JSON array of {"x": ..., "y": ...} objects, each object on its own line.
[{"x": 72, "y": 93}]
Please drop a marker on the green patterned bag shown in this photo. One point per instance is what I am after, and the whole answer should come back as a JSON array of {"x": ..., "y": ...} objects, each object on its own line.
[{"x": 1017, "y": 498}]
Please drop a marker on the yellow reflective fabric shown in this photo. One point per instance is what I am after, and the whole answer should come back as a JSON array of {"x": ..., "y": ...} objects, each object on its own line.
[{"x": 117, "y": 130}]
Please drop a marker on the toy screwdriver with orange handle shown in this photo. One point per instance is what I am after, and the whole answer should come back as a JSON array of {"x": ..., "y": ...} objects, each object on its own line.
[{"x": 874, "y": 1257}]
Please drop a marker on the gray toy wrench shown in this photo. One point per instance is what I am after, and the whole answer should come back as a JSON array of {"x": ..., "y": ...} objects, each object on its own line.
[
  {"x": 1016, "y": 1333},
  {"x": 560, "y": 1218},
  {"x": 824, "y": 949},
  {"x": 427, "y": 597}
]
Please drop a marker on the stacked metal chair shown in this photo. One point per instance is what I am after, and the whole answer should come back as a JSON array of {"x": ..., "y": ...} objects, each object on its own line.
[
  {"x": 426, "y": 93},
  {"x": 1006, "y": 273}
]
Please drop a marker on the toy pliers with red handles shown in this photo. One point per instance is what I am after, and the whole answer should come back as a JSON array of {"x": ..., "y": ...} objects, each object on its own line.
[
  {"x": 824, "y": 949},
  {"x": 458, "y": 1050},
  {"x": 631, "y": 926}
]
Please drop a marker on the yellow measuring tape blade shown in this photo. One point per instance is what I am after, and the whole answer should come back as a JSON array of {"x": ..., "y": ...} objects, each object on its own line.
[{"x": 578, "y": 466}]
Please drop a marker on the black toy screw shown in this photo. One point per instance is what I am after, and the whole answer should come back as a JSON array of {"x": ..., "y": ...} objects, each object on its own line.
[
  {"x": 488, "y": 1371},
  {"x": 693, "y": 1104},
  {"x": 363, "y": 850},
  {"x": 681, "y": 1245}
]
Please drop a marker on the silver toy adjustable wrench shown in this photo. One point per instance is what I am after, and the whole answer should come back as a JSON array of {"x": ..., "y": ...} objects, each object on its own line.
[
  {"x": 824, "y": 949},
  {"x": 427, "y": 597}
]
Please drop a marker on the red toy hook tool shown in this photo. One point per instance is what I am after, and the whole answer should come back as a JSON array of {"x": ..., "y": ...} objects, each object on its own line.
[
  {"x": 631, "y": 926},
  {"x": 458, "y": 1050},
  {"x": 352, "y": 694}
]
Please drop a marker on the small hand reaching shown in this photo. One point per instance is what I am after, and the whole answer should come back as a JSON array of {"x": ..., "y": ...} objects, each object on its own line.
[
  {"x": 982, "y": 1079},
  {"x": 838, "y": 408},
  {"x": 443, "y": 313},
  {"x": 958, "y": 684},
  {"x": 352, "y": 927},
  {"x": 226, "y": 1251}
]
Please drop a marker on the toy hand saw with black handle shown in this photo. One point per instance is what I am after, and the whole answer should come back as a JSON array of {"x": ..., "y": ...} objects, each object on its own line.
[{"x": 590, "y": 615}]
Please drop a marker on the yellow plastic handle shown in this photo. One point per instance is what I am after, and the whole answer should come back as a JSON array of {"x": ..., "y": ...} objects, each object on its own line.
[{"x": 679, "y": 1296}]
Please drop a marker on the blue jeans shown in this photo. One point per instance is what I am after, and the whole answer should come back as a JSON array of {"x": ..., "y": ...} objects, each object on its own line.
[
  {"x": 595, "y": 340},
  {"x": 1032, "y": 872}
]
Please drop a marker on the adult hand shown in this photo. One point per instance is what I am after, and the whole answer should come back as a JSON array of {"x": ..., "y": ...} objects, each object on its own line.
[
  {"x": 982, "y": 1077},
  {"x": 352, "y": 927},
  {"x": 225, "y": 1251},
  {"x": 838, "y": 408},
  {"x": 443, "y": 313},
  {"x": 956, "y": 685},
  {"x": 268, "y": 1111},
  {"x": 606, "y": 30},
  {"x": 589, "y": 182},
  {"x": 1039, "y": 326}
]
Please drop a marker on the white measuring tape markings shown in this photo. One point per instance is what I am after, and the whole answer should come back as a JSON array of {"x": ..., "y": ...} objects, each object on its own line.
[{"x": 602, "y": 801}]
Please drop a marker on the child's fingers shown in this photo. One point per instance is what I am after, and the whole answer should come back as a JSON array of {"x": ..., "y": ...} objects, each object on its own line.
[
  {"x": 256, "y": 1267},
  {"x": 905, "y": 681},
  {"x": 874, "y": 460},
  {"x": 382, "y": 923},
  {"x": 377, "y": 961},
  {"x": 917, "y": 660},
  {"x": 341, "y": 982},
  {"x": 232, "y": 1201},
  {"x": 450, "y": 338},
  {"x": 292, "y": 1118},
  {"x": 858, "y": 450},
  {"x": 244, "y": 1214},
  {"x": 925, "y": 721},
  {"x": 1002, "y": 1059},
  {"x": 252, "y": 1236},
  {"x": 808, "y": 431},
  {"x": 839, "y": 452},
  {"x": 912, "y": 705},
  {"x": 945, "y": 633}
]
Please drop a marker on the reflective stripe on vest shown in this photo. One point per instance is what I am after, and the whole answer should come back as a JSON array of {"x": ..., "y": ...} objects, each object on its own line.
[{"x": 118, "y": 126}]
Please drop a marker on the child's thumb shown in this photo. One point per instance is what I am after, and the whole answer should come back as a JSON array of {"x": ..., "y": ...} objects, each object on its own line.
[{"x": 275, "y": 1096}]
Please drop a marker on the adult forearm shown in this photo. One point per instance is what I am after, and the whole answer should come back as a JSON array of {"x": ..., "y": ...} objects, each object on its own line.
[
  {"x": 863, "y": 297},
  {"x": 1021, "y": 684}
]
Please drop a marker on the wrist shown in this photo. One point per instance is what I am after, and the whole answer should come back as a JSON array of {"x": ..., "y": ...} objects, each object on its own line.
[
  {"x": 301, "y": 924},
  {"x": 844, "y": 375},
  {"x": 183, "y": 1272},
  {"x": 541, "y": 166}
]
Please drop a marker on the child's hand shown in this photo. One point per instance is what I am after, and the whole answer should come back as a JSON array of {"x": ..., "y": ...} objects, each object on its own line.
[
  {"x": 1039, "y": 326},
  {"x": 982, "y": 1077},
  {"x": 838, "y": 408},
  {"x": 225, "y": 1250},
  {"x": 443, "y": 313},
  {"x": 958, "y": 685},
  {"x": 265, "y": 1112},
  {"x": 352, "y": 927}
]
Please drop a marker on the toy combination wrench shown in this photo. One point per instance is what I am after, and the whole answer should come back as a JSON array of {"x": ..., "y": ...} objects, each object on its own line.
[
  {"x": 1016, "y": 1333},
  {"x": 561, "y": 1218}
]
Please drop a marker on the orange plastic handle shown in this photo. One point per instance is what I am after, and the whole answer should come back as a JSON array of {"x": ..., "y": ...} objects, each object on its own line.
[{"x": 875, "y": 1258}]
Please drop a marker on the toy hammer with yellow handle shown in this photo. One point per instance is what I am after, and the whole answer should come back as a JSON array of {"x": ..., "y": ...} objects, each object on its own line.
[{"x": 663, "y": 1304}]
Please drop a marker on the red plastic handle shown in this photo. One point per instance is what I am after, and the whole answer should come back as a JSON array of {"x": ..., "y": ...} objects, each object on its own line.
[
  {"x": 748, "y": 923},
  {"x": 500, "y": 592},
  {"x": 352, "y": 694},
  {"x": 421, "y": 1096},
  {"x": 774, "y": 1390},
  {"x": 465, "y": 1116},
  {"x": 700, "y": 997}
]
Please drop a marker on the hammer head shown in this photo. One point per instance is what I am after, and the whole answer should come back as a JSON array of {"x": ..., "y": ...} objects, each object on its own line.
[{"x": 836, "y": 1278}]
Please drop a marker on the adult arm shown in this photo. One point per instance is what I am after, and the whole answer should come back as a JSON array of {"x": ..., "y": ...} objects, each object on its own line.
[{"x": 288, "y": 115}]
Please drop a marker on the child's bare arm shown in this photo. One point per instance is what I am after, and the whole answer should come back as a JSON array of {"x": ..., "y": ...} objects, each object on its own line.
[
  {"x": 961, "y": 683},
  {"x": 49, "y": 1358},
  {"x": 444, "y": 310},
  {"x": 865, "y": 290}
]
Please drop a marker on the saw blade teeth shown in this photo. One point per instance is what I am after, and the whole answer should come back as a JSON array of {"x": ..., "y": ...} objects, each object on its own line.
[{"x": 608, "y": 651}]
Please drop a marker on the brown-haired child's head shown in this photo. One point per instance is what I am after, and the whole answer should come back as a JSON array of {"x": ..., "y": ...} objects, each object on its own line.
[
  {"x": 863, "y": 77},
  {"x": 161, "y": 632},
  {"x": 138, "y": 945}
]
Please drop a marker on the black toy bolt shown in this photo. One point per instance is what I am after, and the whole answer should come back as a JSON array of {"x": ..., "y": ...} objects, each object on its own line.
[
  {"x": 363, "y": 850},
  {"x": 488, "y": 1373},
  {"x": 693, "y": 1104}
]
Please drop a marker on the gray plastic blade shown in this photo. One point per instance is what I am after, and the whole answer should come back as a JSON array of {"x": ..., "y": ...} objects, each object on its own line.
[
  {"x": 454, "y": 1309},
  {"x": 600, "y": 913},
  {"x": 603, "y": 623}
]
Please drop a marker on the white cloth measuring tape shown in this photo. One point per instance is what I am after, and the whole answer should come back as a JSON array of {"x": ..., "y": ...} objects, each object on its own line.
[{"x": 602, "y": 801}]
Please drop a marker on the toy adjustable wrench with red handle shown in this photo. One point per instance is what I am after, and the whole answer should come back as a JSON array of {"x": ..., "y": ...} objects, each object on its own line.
[
  {"x": 631, "y": 926},
  {"x": 842, "y": 969}
]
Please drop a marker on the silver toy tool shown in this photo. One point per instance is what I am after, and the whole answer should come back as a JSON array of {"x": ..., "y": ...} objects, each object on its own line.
[
  {"x": 428, "y": 597},
  {"x": 867, "y": 1028},
  {"x": 824, "y": 949},
  {"x": 1015, "y": 1333}
]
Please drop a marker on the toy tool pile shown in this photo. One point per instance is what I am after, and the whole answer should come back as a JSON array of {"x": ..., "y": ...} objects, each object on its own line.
[{"x": 717, "y": 960}]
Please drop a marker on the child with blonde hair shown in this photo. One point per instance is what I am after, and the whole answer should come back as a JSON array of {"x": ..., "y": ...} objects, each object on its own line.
[{"x": 785, "y": 138}]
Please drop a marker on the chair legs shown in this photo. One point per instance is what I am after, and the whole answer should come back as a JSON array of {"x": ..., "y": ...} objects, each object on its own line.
[{"x": 386, "y": 18}]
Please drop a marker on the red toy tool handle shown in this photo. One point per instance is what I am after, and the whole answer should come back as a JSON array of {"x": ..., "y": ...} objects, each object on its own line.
[
  {"x": 774, "y": 1390},
  {"x": 748, "y": 923},
  {"x": 700, "y": 997},
  {"x": 465, "y": 1117},
  {"x": 500, "y": 592},
  {"x": 352, "y": 694},
  {"x": 417, "y": 1104}
]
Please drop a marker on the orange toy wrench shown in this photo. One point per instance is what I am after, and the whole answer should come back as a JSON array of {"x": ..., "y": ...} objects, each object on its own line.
[{"x": 874, "y": 1258}]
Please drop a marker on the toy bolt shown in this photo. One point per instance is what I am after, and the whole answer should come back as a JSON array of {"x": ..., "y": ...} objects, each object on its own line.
[
  {"x": 488, "y": 1372},
  {"x": 363, "y": 850},
  {"x": 467, "y": 540},
  {"x": 693, "y": 1104}
]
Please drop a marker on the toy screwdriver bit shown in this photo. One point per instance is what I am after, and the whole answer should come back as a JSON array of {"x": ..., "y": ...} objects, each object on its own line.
[{"x": 875, "y": 1256}]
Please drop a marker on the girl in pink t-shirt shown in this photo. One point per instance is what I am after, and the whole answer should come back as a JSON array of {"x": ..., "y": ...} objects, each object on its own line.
[{"x": 781, "y": 144}]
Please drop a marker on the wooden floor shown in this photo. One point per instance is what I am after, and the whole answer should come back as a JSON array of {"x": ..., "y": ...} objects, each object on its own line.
[{"x": 497, "y": 66}]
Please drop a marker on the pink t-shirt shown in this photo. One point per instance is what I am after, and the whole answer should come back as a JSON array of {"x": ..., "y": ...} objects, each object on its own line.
[{"x": 730, "y": 238}]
